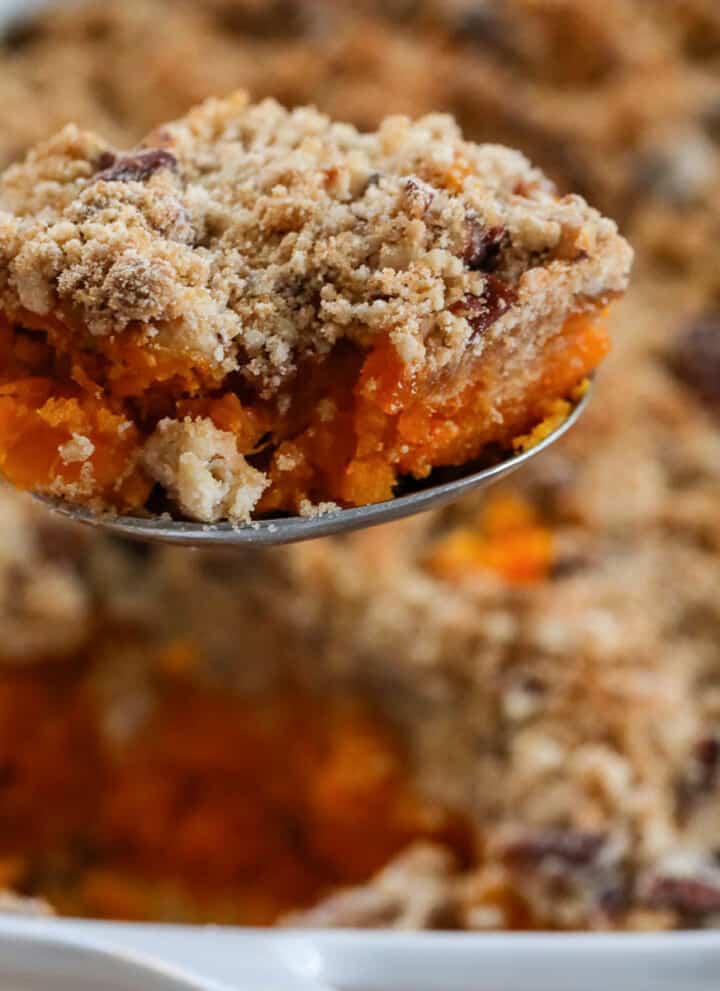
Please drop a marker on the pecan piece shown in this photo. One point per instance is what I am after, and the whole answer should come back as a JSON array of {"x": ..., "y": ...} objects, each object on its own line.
[
  {"x": 707, "y": 754},
  {"x": 482, "y": 311},
  {"x": 705, "y": 770},
  {"x": 486, "y": 27},
  {"x": 273, "y": 19},
  {"x": 572, "y": 847},
  {"x": 481, "y": 251},
  {"x": 710, "y": 120},
  {"x": 696, "y": 358},
  {"x": 702, "y": 777},
  {"x": 21, "y": 35},
  {"x": 59, "y": 543},
  {"x": 613, "y": 898},
  {"x": 135, "y": 167},
  {"x": 417, "y": 196},
  {"x": 686, "y": 895}
]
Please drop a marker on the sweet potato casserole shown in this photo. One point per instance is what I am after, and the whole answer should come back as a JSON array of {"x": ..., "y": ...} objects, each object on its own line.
[{"x": 501, "y": 715}]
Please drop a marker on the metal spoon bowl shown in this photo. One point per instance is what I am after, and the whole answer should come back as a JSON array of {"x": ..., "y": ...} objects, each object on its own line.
[{"x": 291, "y": 529}]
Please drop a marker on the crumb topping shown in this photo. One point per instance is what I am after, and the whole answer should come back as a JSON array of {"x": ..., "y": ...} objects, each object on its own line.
[
  {"x": 200, "y": 467},
  {"x": 45, "y": 606},
  {"x": 247, "y": 236}
]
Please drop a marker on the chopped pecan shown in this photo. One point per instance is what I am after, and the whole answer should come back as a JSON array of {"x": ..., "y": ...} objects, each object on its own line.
[
  {"x": 482, "y": 311},
  {"x": 613, "y": 898},
  {"x": 135, "y": 550},
  {"x": 696, "y": 358},
  {"x": 572, "y": 847},
  {"x": 483, "y": 26},
  {"x": 481, "y": 251},
  {"x": 711, "y": 120},
  {"x": 60, "y": 543},
  {"x": 686, "y": 895},
  {"x": 707, "y": 753},
  {"x": 135, "y": 167},
  {"x": 21, "y": 35},
  {"x": 417, "y": 196},
  {"x": 703, "y": 775},
  {"x": 106, "y": 160},
  {"x": 533, "y": 684},
  {"x": 273, "y": 19},
  {"x": 569, "y": 565}
]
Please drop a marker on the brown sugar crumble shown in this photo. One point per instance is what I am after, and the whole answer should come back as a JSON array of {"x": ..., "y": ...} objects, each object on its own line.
[
  {"x": 503, "y": 715},
  {"x": 260, "y": 308}
]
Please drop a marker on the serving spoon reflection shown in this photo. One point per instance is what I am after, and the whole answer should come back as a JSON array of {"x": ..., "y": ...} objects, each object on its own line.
[{"x": 290, "y": 529}]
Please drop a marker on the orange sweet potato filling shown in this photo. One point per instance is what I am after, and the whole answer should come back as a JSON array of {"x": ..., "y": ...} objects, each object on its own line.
[
  {"x": 509, "y": 540},
  {"x": 353, "y": 425},
  {"x": 219, "y": 810}
]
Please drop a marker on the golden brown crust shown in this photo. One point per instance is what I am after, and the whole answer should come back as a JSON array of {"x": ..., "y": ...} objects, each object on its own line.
[
  {"x": 247, "y": 237},
  {"x": 614, "y": 99}
]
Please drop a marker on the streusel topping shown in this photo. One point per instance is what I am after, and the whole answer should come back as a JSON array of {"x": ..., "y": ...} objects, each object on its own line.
[{"x": 246, "y": 236}]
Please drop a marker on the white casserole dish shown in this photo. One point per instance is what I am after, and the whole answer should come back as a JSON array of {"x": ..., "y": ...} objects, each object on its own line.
[
  {"x": 70, "y": 955},
  {"x": 78, "y": 955}
]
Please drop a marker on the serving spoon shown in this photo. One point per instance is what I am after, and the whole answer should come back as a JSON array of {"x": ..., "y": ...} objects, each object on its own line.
[{"x": 291, "y": 529}]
